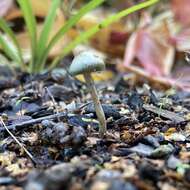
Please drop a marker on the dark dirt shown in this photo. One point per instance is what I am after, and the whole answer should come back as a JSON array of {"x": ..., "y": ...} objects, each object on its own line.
[{"x": 146, "y": 147}]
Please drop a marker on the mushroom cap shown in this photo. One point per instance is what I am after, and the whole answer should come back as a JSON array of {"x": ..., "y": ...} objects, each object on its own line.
[{"x": 86, "y": 62}]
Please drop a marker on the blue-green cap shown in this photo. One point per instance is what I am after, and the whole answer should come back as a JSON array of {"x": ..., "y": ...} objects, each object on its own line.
[{"x": 86, "y": 62}]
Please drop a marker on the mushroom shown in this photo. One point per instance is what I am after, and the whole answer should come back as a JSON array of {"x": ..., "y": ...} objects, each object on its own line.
[{"x": 85, "y": 63}]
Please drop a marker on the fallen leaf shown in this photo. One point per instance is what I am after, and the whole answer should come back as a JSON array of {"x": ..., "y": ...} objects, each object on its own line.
[
  {"x": 155, "y": 81},
  {"x": 5, "y": 6},
  {"x": 15, "y": 169},
  {"x": 103, "y": 76},
  {"x": 40, "y": 9},
  {"x": 153, "y": 52},
  {"x": 181, "y": 10},
  {"x": 7, "y": 158},
  {"x": 111, "y": 39},
  {"x": 166, "y": 186}
]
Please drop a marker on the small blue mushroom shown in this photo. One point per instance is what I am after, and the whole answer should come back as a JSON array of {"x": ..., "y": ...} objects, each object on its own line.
[{"x": 85, "y": 63}]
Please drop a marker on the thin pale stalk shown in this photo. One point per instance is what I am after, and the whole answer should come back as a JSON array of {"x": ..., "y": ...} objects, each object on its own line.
[{"x": 97, "y": 105}]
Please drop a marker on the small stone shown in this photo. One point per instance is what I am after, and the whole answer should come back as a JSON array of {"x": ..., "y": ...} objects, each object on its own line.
[
  {"x": 64, "y": 136},
  {"x": 47, "y": 123},
  {"x": 58, "y": 74},
  {"x": 56, "y": 178},
  {"x": 142, "y": 149},
  {"x": 151, "y": 140},
  {"x": 121, "y": 185},
  {"x": 177, "y": 137},
  {"x": 162, "y": 151},
  {"x": 150, "y": 172},
  {"x": 187, "y": 175},
  {"x": 173, "y": 162},
  {"x": 108, "y": 175}
]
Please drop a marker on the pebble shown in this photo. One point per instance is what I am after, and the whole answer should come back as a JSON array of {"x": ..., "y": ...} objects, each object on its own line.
[
  {"x": 121, "y": 185},
  {"x": 162, "y": 151},
  {"x": 173, "y": 162}
]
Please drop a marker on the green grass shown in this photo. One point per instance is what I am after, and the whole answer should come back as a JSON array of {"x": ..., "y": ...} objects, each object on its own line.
[
  {"x": 32, "y": 29},
  {"x": 89, "y": 33},
  {"x": 12, "y": 50},
  {"x": 68, "y": 25},
  {"x": 41, "y": 46}
]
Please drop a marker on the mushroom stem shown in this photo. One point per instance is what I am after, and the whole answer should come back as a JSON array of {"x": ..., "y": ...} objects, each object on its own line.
[{"x": 98, "y": 107}]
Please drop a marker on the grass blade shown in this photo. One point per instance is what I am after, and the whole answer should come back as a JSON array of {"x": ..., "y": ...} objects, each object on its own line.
[
  {"x": 31, "y": 27},
  {"x": 7, "y": 30},
  {"x": 48, "y": 24},
  {"x": 69, "y": 24},
  {"x": 9, "y": 50},
  {"x": 89, "y": 33}
]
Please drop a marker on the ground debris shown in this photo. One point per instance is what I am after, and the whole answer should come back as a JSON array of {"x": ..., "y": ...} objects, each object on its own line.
[
  {"x": 146, "y": 145},
  {"x": 165, "y": 113},
  {"x": 62, "y": 135}
]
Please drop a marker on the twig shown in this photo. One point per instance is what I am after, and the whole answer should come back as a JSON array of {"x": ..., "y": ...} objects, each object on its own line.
[
  {"x": 53, "y": 101},
  {"x": 164, "y": 113},
  {"x": 60, "y": 115},
  {"x": 17, "y": 141},
  {"x": 24, "y": 124}
]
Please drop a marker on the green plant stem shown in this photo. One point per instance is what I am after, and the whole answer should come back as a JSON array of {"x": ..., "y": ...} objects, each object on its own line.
[
  {"x": 9, "y": 51},
  {"x": 44, "y": 35},
  {"x": 30, "y": 21},
  {"x": 89, "y": 33},
  {"x": 7, "y": 30}
]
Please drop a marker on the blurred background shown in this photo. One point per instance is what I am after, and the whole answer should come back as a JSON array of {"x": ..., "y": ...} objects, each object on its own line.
[{"x": 152, "y": 43}]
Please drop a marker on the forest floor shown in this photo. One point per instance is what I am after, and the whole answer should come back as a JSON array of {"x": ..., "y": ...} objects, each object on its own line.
[{"x": 147, "y": 145}]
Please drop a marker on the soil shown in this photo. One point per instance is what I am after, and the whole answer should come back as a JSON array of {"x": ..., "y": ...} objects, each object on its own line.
[{"x": 146, "y": 146}]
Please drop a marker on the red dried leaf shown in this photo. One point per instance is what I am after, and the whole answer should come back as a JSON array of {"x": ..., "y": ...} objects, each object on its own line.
[
  {"x": 153, "y": 55},
  {"x": 157, "y": 81},
  {"x": 149, "y": 53},
  {"x": 181, "y": 9},
  {"x": 117, "y": 37}
]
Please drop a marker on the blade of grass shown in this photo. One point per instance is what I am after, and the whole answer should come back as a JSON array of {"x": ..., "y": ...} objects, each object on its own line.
[
  {"x": 7, "y": 30},
  {"x": 48, "y": 24},
  {"x": 9, "y": 50},
  {"x": 68, "y": 25},
  {"x": 30, "y": 21},
  {"x": 89, "y": 33}
]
